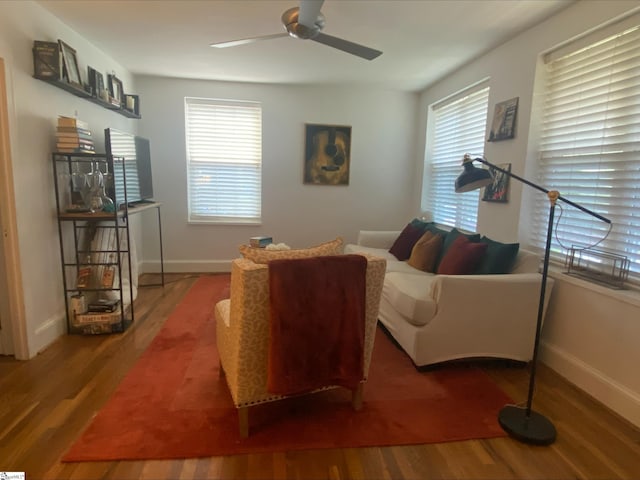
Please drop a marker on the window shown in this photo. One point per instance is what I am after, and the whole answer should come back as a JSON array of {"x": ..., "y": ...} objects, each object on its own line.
[
  {"x": 459, "y": 127},
  {"x": 224, "y": 160},
  {"x": 590, "y": 146}
]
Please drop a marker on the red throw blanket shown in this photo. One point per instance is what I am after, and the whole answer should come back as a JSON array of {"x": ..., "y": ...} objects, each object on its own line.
[{"x": 317, "y": 323}]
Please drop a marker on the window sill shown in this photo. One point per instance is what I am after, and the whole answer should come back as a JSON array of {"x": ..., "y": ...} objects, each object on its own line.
[{"x": 629, "y": 295}]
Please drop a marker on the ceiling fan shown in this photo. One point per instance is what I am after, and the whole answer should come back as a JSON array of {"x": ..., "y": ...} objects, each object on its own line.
[{"x": 306, "y": 23}]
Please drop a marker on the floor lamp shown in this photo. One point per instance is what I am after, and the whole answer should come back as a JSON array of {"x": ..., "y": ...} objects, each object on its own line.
[{"x": 522, "y": 423}]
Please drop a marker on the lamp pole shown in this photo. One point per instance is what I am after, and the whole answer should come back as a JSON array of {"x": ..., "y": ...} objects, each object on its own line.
[{"x": 525, "y": 424}]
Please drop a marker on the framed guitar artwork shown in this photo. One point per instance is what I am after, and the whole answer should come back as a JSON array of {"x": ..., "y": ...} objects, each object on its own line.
[{"x": 327, "y": 154}]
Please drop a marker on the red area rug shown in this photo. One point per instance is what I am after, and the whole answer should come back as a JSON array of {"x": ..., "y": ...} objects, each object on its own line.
[{"x": 172, "y": 404}]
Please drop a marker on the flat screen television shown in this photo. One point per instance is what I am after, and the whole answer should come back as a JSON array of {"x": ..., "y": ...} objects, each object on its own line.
[{"x": 136, "y": 152}]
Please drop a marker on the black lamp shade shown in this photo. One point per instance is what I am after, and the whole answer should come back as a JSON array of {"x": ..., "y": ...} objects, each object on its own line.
[{"x": 472, "y": 178}]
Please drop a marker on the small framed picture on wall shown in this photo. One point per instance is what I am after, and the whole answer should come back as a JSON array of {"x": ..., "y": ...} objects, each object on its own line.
[
  {"x": 503, "y": 126},
  {"x": 498, "y": 190}
]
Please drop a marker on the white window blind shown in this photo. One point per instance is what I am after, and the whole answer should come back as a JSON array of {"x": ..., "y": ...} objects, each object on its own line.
[
  {"x": 590, "y": 146},
  {"x": 224, "y": 160},
  {"x": 459, "y": 128}
]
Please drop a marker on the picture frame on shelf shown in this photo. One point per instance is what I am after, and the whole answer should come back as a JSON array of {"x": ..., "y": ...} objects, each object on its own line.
[
  {"x": 70, "y": 63},
  {"x": 115, "y": 90},
  {"x": 132, "y": 103},
  {"x": 46, "y": 60},
  {"x": 96, "y": 82}
]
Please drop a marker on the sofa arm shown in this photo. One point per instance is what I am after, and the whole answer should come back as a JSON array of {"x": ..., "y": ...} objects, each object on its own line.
[
  {"x": 467, "y": 288},
  {"x": 508, "y": 294},
  {"x": 377, "y": 238}
]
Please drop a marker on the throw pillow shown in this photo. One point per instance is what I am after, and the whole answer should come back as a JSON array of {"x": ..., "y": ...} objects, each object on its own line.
[
  {"x": 401, "y": 248},
  {"x": 421, "y": 224},
  {"x": 431, "y": 227},
  {"x": 261, "y": 255},
  {"x": 499, "y": 257},
  {"x": 451, "y": 237},
  {"x": 463, "y": 257},
  {"x": 425, "y": 252}
]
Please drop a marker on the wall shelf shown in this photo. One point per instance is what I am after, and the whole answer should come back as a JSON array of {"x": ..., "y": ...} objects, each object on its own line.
[{"x": 78, "y": 92}]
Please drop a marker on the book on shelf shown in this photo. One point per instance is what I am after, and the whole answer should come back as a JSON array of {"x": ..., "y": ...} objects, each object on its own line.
[
  {"x": 74, "y": 130},
  {"x": 103, "y": 305},
  {"x": 47, "y": 61},
  {"x": 73, "y": 137},
  {"x": 72, "y": 122},
  {"x": 74, "y": 150},
  {"x": 74, "y": 142}
]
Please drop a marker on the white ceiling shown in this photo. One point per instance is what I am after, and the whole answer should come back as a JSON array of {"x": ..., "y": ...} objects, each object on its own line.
[{"x": 422, "y": 40}]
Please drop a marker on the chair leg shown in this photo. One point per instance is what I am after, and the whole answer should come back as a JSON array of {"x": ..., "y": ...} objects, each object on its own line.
[
  {"x": 243, "y": 421},
  {"x": 356, "y": 397}
]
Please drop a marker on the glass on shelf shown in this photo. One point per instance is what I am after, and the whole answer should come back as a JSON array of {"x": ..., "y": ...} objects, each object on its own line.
[
  {"x": 79, "y": 191},
  {"x": 98, "y": 200}
]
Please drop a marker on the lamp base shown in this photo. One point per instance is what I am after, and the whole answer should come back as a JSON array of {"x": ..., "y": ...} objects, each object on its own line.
[{"x": 535, "y": 428}]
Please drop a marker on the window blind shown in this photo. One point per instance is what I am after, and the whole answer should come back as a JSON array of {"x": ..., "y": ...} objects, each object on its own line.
[
  {"x": 224, "y": 160},
  {"x": 459, "y": 128},
  {"x": 590, "y": 146}
]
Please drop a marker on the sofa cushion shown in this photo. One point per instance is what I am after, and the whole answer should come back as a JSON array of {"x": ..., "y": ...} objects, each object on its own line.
[
  {"x": 425, "y": 252},
  {"x": 499, "y": 257},
  {"x": 421, "y": 224},
  {"x": 261, "y": 255},
  {"x": 410, "y": 296},
  {"x": 401, "y": 248},
  {"x": 462, "y": 257}
]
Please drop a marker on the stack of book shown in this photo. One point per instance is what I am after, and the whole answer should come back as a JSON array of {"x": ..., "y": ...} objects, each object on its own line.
[{"x": 73, "y": 136}]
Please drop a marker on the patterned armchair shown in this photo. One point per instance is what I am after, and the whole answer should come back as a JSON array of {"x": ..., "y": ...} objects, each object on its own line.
[{"x": 243, "y": 333}]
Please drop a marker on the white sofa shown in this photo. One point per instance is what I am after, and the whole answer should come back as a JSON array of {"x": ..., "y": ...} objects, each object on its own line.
[{"x": 437, "y": 318}]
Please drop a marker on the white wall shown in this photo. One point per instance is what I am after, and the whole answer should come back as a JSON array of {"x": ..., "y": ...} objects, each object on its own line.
[
  {"x": 34, "y": 107},
  {"x": 590, "y": 335},
  {"x": 382, "y": 163}
]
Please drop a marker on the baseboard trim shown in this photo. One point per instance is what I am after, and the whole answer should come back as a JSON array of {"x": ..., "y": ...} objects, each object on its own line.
[
  {"x": 48, "y": 332},
  {"x": 619, "y": 398},
  {"x": 178, "y": 266}
]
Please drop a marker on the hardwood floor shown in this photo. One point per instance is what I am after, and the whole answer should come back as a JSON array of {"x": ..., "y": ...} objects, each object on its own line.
[{"x": 46, "y": 402}]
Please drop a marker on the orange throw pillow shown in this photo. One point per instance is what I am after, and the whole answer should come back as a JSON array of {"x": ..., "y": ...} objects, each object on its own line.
[
  {"x": 462, "y": 257},
  {"x": 426, "y": 251}
]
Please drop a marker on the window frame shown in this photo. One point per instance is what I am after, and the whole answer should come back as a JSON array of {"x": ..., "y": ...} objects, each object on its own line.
[
  {"x": 461, "y": 209},
  {"x": 594, "y": 169},
  {"x": 242, "y": 164}
]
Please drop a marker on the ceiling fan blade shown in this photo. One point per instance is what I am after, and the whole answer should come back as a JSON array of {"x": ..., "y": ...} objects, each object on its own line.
[
  {"x": 244, "y": 41},
  {"x": 309, "y": 11},
  {"x": 347, "y": 46}
]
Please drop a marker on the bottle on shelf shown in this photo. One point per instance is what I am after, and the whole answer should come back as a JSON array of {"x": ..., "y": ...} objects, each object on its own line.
[
  {"x": 108, "y": 273},
  {"x": 85, "y": 272},
  {"x": 96, "y": 188}
]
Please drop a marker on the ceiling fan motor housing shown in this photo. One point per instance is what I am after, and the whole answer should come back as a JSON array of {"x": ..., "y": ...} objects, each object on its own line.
[{"x": 297, "y": 30}]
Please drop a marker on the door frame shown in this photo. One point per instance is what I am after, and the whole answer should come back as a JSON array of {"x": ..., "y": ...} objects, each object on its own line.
[{"x": 9, "y": 230}]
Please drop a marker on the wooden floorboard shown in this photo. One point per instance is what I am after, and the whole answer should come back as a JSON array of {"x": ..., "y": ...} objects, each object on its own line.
[{"x": 46, "y": 402}]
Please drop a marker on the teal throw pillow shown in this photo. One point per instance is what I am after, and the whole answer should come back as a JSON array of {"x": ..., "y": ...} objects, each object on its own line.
[
  {"x": 431, "y": 227},
  {"x": 421, "y": 224},
  {"x": 499, "y": 257}
]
